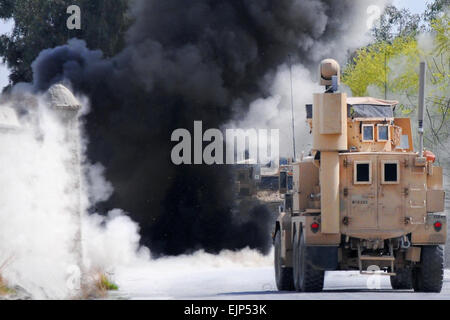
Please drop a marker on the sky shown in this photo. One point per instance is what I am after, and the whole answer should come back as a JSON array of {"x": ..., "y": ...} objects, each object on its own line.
[{"x": 415, "y": 6}]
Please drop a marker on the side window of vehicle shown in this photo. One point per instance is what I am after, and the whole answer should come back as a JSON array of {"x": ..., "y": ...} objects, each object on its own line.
[
  {"x": 383, "y": 132},
  {"x": 367, "y": 132}
]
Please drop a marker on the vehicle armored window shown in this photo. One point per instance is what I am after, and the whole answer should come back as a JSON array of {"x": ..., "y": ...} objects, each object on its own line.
[
  {"x": 383, "y": 132},
  {"x": 367, "y": 130},
  {"x": 390, "y": 171},
  {"x": 363, "y": 172}
]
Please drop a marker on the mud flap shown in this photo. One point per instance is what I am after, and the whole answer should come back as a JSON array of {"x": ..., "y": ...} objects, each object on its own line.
[{"x": 323, "y": 257}]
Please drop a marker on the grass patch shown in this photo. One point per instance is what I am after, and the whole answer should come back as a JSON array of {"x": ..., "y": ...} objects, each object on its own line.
[
  {"x": 95, "y": 285},
  {"x": 105, "y": 284},
  {"x": 4, "y": 289}
]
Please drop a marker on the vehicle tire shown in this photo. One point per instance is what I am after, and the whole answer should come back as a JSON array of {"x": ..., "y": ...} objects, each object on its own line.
[
  {"x": 283, "y": 275},
  {"x": 403, "y": 280},
  {"x": 429, "y": 275},
  {"x": 306, "y": 277},
  {"x": 295, "y": 262}
]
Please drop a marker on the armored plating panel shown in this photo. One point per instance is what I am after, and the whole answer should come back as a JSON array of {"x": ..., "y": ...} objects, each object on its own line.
[{"x": 330, "y": 122}]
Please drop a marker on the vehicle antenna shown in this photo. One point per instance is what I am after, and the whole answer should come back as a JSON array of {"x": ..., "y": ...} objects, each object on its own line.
[{"x": 292, "y": 108}]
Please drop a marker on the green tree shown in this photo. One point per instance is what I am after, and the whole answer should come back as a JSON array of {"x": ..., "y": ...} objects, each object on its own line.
[
  {"x": 41, "y": 24},
  {"x": 438, "y": 100},
  {"x": 371, "y": 67},
  {"x": 436, "y": 9},
  {"x": 395, "y": 23}
]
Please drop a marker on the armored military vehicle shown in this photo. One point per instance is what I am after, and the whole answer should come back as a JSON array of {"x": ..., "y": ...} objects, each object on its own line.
[{"x": 364, "y": 200}]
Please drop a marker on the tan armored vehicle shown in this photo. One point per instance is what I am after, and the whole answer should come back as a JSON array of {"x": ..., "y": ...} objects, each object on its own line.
[{"x": 364, "y": 200}]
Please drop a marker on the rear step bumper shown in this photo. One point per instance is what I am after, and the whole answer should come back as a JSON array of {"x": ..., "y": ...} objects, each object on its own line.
[
  {"x": 375, "y": 258},
  {"x": 387, "y": 258}
]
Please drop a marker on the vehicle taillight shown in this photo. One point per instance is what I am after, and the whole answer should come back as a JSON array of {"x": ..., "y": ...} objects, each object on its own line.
[
  {"x": 315, "y": 227},
  {"x": 437, "y": 226}
]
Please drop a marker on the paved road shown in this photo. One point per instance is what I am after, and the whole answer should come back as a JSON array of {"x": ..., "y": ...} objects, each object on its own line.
[
  {"x": 248, "y": 275},
  {"x": 238, "y": 283}
]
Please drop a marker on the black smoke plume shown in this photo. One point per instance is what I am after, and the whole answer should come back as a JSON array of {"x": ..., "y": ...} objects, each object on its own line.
[{"x": 185, "y": 61}]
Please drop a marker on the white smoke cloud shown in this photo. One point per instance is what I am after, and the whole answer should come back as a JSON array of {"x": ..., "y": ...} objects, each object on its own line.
[
  {"x": 37, "y": 231},
  {"x": 112, "y": 241},
  {"x": 35, "y": 234},
  {"x": 98, "y": 188}
]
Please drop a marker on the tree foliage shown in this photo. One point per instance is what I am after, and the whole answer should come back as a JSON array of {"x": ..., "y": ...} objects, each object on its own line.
[
  {"x": 441, "y": 28},
  {"x": 436, "y": 9},
  {"x": 41, "y": 24},
  {"x": 371, "y": 67},
  {"x": 438, "y": 101},
  {"x": 395, "y": 23}
]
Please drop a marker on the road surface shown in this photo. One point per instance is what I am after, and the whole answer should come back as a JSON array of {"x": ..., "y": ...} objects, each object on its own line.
[
  {"x": 249, "y": 275},
  {"x": 188, "y": 278}
]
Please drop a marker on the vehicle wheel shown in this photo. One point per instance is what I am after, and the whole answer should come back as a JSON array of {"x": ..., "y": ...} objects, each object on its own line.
[
  {"x": 429, "y": 275},
  {"x": 306, "y": 277},
  {"x": 403, "y": 279},
  {"x": 295, "y": 262},
  {"x": 283, "y": 275}
]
